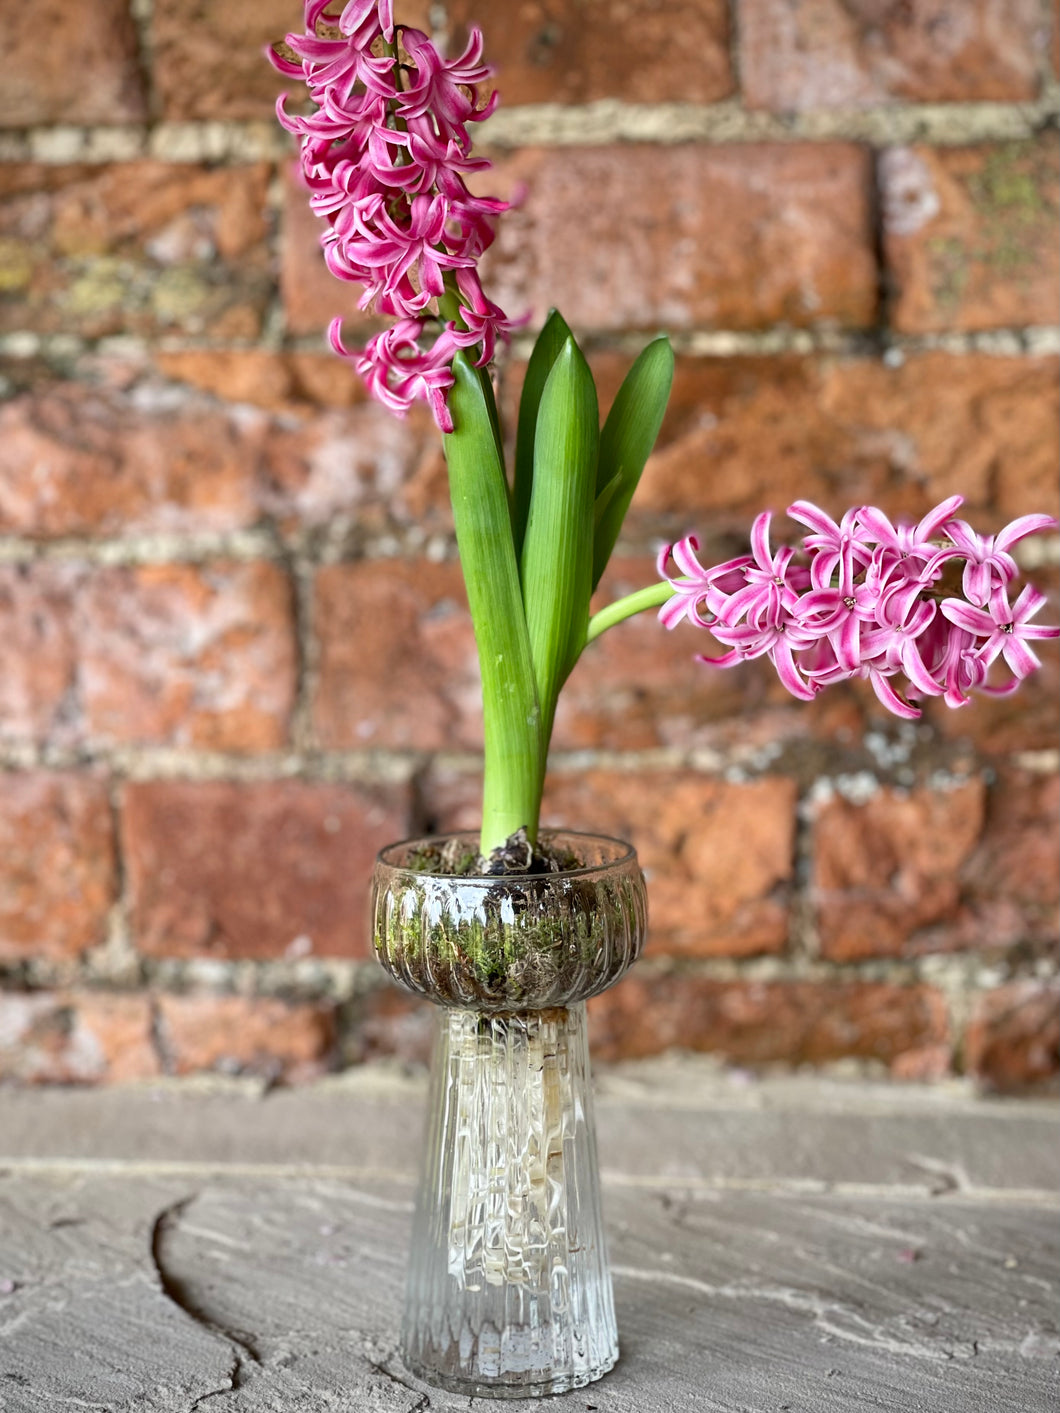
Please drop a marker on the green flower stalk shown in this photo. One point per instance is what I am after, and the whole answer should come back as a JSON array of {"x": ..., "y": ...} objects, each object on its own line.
[{"x": 384, "y": 157}]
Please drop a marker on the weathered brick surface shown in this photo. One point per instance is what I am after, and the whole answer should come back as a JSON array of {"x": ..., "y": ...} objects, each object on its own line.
[
  {"x": 361, "y": 467},
  {"x": 151, "y": 457},
  {"x": 58, "y": 870},
  {"x": 1013, "y": 1039},
  {"x": 718, "y": 856},
  {"x": 548, "y": 51},
  {"x": 388, "y": 1023},
  {"x": 795, "y": 245},
  {"x": 279, "y": 380},
  {"x": 885, "y": 870},
  {"x": 969, "y": 234},
  {"x": 800, "y": 55},
  {"x": 209, "y": 60},
  {"x": 145, "y": 247},
  {"x": 78, "y": 460},
  {"x": 169, "y": 653},
  {"x": 200, "y": 657},
  {"x": 746, "y": 433},
  {"x": 757, "y": 1023},
  {"x": 38, "y": 652},
  {"x": 220, "y": 869},
  {"x": 398, "y": 666},
  {"x": 75, "y": 1038},
  {"x": 46, "y": 45},
  {"x": 246, "y": 1035},
  {"x": 1010, "y": 882}
]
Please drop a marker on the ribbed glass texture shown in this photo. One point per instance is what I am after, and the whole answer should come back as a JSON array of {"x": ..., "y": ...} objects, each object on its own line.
[
  {"x": 516, "y": 942},
  {"x": 509, "y": 1293}
]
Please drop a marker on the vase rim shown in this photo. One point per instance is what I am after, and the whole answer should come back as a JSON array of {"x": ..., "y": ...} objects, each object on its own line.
[{"x": 624, "y": 853}]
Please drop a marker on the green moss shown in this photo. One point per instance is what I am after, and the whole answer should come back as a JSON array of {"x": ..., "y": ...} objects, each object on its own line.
[
  {"x": 1007, "y": 184},
  {"x": 180, "y": 294},
  {"x": 949, "y": 271},
  {"x": 102, "y": 286},
  {"x": 16, "y": 264},
  {"x": 1009, "y": 194}
]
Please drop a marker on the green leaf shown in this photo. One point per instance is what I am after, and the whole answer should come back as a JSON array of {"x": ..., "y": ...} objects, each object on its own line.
[
  {"x": 550, "y": 341},
  {"x": 514, "y": 764},
  {"x": 557, "y": 548},
  {"x": 626, "y": 442}
]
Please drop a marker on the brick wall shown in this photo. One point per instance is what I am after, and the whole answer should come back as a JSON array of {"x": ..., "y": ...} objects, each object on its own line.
[{"x": 234, "y": 656}]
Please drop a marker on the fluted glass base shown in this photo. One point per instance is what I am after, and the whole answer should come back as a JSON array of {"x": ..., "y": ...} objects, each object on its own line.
[{"x": 509, "y": 1293}]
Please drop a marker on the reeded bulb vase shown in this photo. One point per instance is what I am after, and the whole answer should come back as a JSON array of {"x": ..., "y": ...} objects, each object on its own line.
[{"x": 509, "y": 1291}]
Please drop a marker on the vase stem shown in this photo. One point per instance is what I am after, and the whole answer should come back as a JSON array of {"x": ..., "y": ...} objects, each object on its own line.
[{"x": 509, "y": 1292}]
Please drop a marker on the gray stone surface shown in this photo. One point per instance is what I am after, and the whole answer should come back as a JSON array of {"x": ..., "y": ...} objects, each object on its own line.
[{"x": 810, "y": 1246}]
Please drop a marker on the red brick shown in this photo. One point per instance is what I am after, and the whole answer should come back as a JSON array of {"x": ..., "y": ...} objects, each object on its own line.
[
  {"x": 388, "y": 1023},
  {"x": 89, "y": 460},
  {"x": 969, "y": 234},
  {"x": 209, "y": 60},
  {"x": 78, "y": 460},
  {"x": 547, "y": 51},
  {"x": 800, "y": 55},
  {"x": 746, "y": 434},
  {"x": 76, "y": 1038},
  {"x": 201, "y": 657},
  {"x": 1010, "y": 882},
  {"x": 718, "y": 856},
  {"x": 887, "y": 869},
  {"x": 168, "y": 654},
  {"x": 38, "y": 652},
  {"x": 45, "y": 45},
  {"x": 58, "y": 872},
  {"x": 756, "y": 1023},
  {"x": 141, "y": 248},
  {"x": 220, "y": 869},
  {"x": 278, "y": 380},
  {"x": 1013, "y": 1039},
  {"x": 795, "y": 245},
  {"x": 361, "y": 466},
  {"x": 397, "y": 666},
  {"x": 246, "y": 1035}
]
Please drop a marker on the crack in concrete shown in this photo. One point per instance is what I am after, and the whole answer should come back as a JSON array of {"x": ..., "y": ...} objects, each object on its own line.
[
  {"x": 423, "y": 1401},
  {"x": 245, "y": 1357}
]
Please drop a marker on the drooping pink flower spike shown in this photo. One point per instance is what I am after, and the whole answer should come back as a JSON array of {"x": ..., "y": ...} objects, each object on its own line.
[
  {"x": 868, "y": 602},
  {"x": 1005, "y": 628},
  {"x": 989, "y": 565}
]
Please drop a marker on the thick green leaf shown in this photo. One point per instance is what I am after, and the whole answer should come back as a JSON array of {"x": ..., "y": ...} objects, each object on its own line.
[
  {"x": 557, "y": 548},
  {"x": 626, "y": 442},
  {"x": 550, "y": 341},
  {"x": 514, "y": 765}
]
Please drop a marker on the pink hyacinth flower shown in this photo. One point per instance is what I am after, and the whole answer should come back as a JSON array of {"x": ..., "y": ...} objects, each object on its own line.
[
  {"x": 989, "y": 565},
  {"x": 1005, "y": 628}
]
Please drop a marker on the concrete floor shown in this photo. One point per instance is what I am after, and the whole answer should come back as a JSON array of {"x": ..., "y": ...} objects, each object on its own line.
[{"x": 813, "y": 1246}]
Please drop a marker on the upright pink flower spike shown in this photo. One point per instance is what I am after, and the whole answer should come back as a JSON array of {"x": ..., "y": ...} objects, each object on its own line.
[{"x": 384, "y": 158}]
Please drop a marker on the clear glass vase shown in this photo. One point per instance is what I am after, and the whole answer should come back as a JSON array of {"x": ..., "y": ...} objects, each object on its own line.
[{"x": 509, "y": 1292}]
